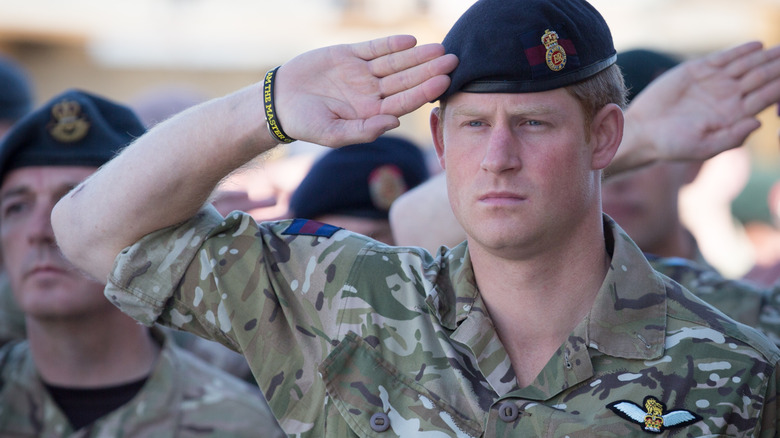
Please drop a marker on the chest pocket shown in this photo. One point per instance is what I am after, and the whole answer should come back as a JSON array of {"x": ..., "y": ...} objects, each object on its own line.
[{"x": 377, "y": 401}]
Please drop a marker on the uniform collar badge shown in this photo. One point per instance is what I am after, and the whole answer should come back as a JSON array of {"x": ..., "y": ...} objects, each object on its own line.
[
  {"x": 68, "y": 123},
  {"x": 653, "y": 416},
  {"x": 555, "y": 55}
]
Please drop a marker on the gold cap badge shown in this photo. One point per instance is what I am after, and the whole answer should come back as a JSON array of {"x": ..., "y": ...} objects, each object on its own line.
[
  {"x": 68, "y": 123},
  {"x": 386, "y": 183},
  {"x": 555, "y": 55}
]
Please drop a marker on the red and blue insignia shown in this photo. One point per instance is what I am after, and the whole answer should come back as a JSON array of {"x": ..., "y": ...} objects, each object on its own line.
[
  {"x": 310, "y": 227},
  {"x": 653, "y": 417},
  {"x": 549, "y": 51}
]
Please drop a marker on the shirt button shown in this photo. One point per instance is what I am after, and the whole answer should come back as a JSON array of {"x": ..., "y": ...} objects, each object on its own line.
[
  {"x": 507, "y": 412},
  {"x": 380, "y": 422}
]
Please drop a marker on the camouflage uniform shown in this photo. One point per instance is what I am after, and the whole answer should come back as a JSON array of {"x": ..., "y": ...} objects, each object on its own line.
[
  {"x": 745, "y": 302},
  {"x": 183, "y": 397},
  {"x": 349, "y": 337},
  {"x": 12, "y": 325}
]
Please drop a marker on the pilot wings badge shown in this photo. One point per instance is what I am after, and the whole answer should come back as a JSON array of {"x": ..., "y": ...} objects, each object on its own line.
[{"x": 653, "y": 417}]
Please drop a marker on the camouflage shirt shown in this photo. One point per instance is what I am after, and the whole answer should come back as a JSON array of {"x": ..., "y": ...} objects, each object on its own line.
[
  {"x": 350, "y": 337},
  {"x": 183, "y": 397},
  {"x": 746, "y": 302},
  {"x": 12, "y": 325}
]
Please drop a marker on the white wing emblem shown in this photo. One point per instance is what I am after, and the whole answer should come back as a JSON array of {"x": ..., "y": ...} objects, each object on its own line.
[{"x": 652, "y": 417}]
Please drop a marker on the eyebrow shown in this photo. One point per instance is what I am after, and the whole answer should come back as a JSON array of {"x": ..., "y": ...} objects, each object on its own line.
[
  {"x": 62, "y": 190},
  {"x": 526, "y": 110},
  {"x": 18, "y": 191}
]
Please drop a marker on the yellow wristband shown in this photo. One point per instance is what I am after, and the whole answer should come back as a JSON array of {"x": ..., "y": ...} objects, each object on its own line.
[{"x": 271, "y": 120}]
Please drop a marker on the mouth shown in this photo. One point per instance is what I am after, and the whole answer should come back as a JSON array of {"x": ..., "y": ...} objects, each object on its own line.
[
  {"x": 46, "y": 270},
  {"x": 501, "y": 198}
]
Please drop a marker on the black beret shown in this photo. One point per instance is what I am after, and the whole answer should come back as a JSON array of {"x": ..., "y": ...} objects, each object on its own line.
[
  {"x": 522, "y": 46},
  {"x": 73, "y": 129},
  {"x": 16, "y": 98},
  {"x": 360, "y": 180},
  {"x": 642, "y": 66}
]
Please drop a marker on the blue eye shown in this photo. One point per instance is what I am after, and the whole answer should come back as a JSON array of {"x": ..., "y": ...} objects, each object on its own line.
[{"x": 475, "y": 123}]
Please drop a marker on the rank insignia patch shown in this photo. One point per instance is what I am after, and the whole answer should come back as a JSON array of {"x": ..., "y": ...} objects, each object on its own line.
[
  {"x": 68, "y": 124},
  {"x": 310, "y": 228},
  {"x": 653, "y": 417}
]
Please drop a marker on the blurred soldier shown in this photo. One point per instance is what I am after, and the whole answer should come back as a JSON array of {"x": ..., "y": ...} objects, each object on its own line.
[
  {"x": 16, "y": 100},
  {"x": 353, "y": 187},
  {"x": 86, "y": 369},
  {"x": 644, "y": 201}
]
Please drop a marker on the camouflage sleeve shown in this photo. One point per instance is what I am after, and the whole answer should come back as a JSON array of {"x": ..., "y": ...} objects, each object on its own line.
[
  {"x": 740, "y": 300},
  {"x": 273, "y": 297},
  {"x": 770, "y": 415}
]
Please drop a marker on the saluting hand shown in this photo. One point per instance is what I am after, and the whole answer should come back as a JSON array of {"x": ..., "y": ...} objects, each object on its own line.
[
  {"x": 708, "y": 105},
  {"x": 353, "y": 93}
]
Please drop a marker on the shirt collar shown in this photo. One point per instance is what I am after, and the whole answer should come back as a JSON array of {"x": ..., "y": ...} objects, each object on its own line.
[{"x": 628, "y": 318}]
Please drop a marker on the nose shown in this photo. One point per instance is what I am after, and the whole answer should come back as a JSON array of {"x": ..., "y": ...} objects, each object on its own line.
[
  {"x": 40, "y": 230},
  {"x": 502, "y": 152}
]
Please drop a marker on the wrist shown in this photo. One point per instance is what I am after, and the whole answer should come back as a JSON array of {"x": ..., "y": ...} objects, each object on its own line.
[
  {"x": 269, "y": 109},
  {"x": 637, "y": 148}
]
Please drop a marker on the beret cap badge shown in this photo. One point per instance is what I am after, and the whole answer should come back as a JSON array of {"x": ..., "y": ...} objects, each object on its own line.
[
  {"x": 555, "y": 55},
  {"x": 527, "y": 46},
  {"x": 68, "y": 124},
  {"x": 386, "y": 184}
]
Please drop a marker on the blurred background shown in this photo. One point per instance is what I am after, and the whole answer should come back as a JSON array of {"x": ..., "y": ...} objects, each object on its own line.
[
  {"x": 127, "y": 49},
  {"x": 160, "y": 56}
]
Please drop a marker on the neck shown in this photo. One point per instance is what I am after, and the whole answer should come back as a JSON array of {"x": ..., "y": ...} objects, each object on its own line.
[
  {"x": 536, "y": 302},
  {"x": 91, "y": 351}
]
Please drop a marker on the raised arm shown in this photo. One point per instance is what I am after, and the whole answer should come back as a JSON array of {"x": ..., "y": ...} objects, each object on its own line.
[
  {"x": 332, "y": 96},
  {"x": 700, "y": 108}
]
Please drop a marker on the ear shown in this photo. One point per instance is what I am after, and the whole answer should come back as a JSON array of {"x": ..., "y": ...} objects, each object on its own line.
[
  {"x": 437, "y": 125},
  {"x": 606, "y": 135}
]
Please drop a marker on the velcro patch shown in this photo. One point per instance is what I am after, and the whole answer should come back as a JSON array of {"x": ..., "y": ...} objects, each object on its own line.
[{"x": 310, "y": 227}]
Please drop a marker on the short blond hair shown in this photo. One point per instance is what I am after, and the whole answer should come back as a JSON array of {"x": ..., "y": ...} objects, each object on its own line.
[{"x": 593, "y": 94}]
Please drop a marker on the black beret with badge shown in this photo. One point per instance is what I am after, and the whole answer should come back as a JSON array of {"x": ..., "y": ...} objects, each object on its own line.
[
  {"x": 523, "y": 46},
  {"x": 75, "y": 128},
  {"x": 360, "y": 180}
]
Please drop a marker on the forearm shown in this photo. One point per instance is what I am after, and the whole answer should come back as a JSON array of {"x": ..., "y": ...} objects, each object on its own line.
[
  {"x": 636, "y": 150},
  {"x": 334, "y": 96},
  {"x": 165, "y": 177}
]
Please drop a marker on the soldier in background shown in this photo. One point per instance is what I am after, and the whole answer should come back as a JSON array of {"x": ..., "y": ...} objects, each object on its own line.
[
  {"x": 16, "y": 100},
  {"x": 353, "y": 187},
  {"x": 85, "y": 368}
]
